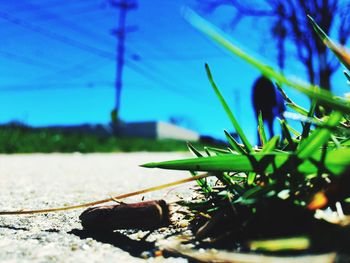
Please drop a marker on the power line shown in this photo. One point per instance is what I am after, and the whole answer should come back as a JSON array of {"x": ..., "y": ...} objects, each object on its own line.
[
  {"x": 48, "y": 4},
  {"x": 58, "y": 37},
  {"x": 71, "y": 42},
  {"x": 77, "y": 70},
  {"x": 143, "y": 71},
  {"x": 165, "y": 50},
  {"x": 56, "y": 85},
  {"x": 84, "y": 10},
  {"x": 104, "y": 54},
  {"x": 184, "y": 57},
  {"x": 42, "y": 12},
  {"x": 27, "y": 60},
  {"x": 164, "y": 83},
  {"x": 170, "y": 77}
]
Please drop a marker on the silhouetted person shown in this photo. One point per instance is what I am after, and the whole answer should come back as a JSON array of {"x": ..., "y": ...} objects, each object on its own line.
[{"x": 267, "y": 100}]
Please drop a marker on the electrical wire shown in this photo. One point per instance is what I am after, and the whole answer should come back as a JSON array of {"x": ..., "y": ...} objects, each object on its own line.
[
  {"x": 43, "y": 15},
  {"x": 27, "y": 60},
  {"x": 164, "y": 83},
  {"x": 56, "y": 86},
  {"x": 93, "y": 50},
  {"x": 49, "y": 5},
  {"x": 56, "y": 36}
]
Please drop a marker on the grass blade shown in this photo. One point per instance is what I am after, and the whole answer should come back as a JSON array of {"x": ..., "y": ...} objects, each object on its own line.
[
  {"x": 261, "y": 129},
  {"x": 251, "y": 178},
  {"x": 281, "y": 244},
  {"x": 207, "y": 151},
  {"x": 336, "y": 161},
  {"x": 297, "y": 108},
  {"x": 347, "y": 76},
  {"x": 318, "y": 137},
  {"x": 311, "y": 113},
  {"x": 218, "y": 151},
  {"x": 228, "y": 111},
  {"x": 271, "y": 144},
  {"x": 287, "y": 135},
  {"x": 339, "y": 51},
  {"x": 292, "y": 130},
  {"x": 324, "y": 97},
  {"x": 201, "y": 182},
  {"x": 234, "y": 144},
  {"x": 193, "y": 150}
]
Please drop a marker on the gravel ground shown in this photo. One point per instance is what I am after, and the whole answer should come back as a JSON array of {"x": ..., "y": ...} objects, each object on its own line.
[{"x": 47, "y": 180}]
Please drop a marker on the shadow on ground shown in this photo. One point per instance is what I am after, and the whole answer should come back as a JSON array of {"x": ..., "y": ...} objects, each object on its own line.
[
  {"x": 133, "y": 247},
  {"x": 51, "y": 230},
  {"x": 122, "y": 241}
]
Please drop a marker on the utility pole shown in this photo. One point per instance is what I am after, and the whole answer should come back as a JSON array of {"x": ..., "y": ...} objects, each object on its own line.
[{"x": 124, "y": 6}]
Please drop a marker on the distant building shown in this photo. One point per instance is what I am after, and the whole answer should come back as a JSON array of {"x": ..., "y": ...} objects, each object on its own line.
[
  {"x": 147, "y": 129},
  {"x": 157, "y": 130}
]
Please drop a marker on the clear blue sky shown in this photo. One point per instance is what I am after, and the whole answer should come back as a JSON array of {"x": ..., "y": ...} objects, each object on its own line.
[{"x": 57, "y": 65}]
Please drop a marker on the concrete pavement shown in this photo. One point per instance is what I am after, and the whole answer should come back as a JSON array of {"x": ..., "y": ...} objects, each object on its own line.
[{"x": 36, "y": 181}]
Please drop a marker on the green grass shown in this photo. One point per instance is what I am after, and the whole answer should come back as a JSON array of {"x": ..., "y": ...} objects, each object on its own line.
[
  {"x": 23, "y": 139},
  {"x": 272, "y": 191}
]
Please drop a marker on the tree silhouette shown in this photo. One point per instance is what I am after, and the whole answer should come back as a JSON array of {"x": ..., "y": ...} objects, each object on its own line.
[{"x": 291, "y": 24}]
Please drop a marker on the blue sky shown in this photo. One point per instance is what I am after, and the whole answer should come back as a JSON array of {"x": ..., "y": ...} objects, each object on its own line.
[{"x": 57, "y": 65}]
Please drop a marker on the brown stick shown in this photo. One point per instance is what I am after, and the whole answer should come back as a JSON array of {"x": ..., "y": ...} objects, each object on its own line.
[
  {"x": 148, "y": 215},
  {"x": 119, "y": 197}
]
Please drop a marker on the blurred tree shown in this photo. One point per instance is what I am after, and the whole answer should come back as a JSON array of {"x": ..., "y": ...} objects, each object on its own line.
[
  {"x": 291, "y": 24},
  {"x": 183, "y": 121}
]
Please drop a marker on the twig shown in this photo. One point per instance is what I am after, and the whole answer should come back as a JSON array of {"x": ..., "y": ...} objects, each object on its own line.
[{"x": 118, "y": 197}]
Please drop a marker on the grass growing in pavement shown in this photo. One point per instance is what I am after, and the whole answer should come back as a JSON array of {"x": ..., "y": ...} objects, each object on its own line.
[
  {"x": 23, "y": 139},
  {"x": 275, "y": 191},
  {"x": 289, "y": 195}
]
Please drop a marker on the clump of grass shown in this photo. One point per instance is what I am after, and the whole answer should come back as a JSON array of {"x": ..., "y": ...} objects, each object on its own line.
[{"x": 276, "y": 190}]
